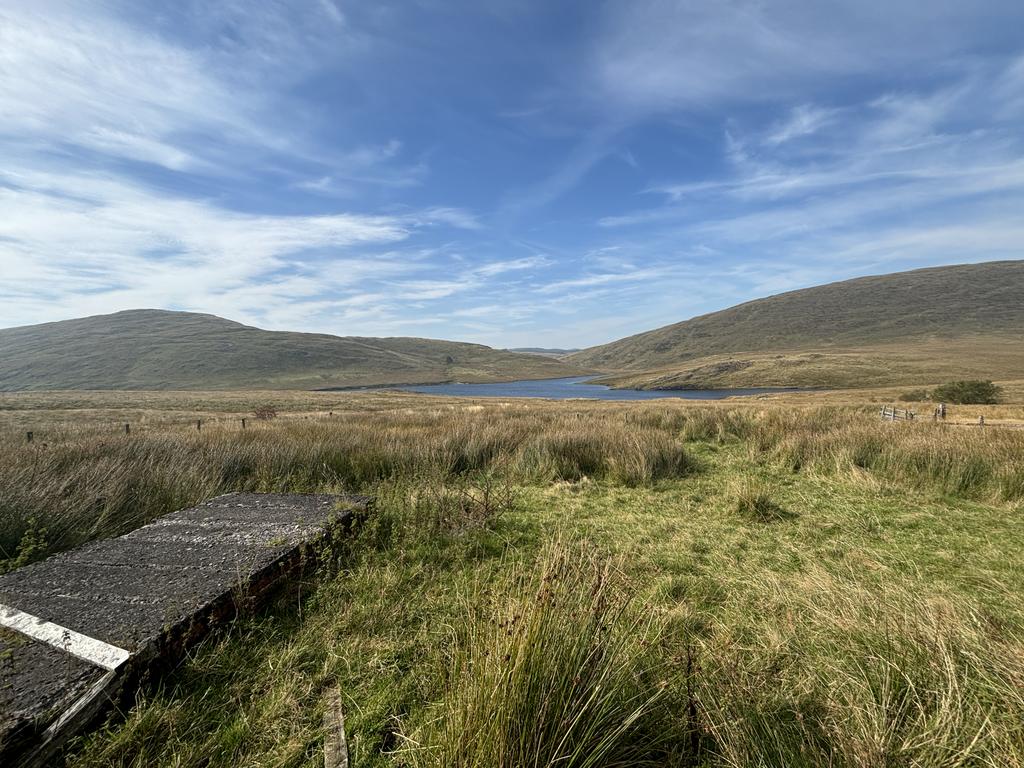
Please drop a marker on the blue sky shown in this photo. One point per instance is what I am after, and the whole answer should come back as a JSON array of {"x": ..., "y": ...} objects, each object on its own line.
[{"x": 511, "y": 173}]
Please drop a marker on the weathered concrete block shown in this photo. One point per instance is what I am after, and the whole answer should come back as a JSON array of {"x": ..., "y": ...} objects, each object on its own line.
[{"x": 84, "y": 627}]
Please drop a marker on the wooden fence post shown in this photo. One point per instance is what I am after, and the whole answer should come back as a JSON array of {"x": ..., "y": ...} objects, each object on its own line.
[
  {"x": 199, "y": 425},
  {"x": 243, "y": 423},
  {"x": 127, "y": 428},
  {"x": 29, "y": 436},
  {"x": 335, "y": 743}
]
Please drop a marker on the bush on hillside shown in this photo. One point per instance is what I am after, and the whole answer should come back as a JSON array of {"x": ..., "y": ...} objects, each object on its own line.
[{"x": 967, "y": 393}]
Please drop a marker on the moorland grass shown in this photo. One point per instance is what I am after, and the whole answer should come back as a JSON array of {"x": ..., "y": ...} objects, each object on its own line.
[
  {"x": 69, "y": 491},
  {"x": 74, "y": 485},
  {"x": 567, "y": 672},
  {"x": 676, "y": 620}
]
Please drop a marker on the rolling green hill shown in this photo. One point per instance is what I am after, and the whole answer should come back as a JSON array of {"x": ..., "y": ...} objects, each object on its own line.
[
  {"x": 156, "y": 349},
  {"x": 922, "y": 326}
]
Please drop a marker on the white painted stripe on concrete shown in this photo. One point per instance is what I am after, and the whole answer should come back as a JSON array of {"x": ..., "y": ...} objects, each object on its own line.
[{"x": 89, "y": 649}]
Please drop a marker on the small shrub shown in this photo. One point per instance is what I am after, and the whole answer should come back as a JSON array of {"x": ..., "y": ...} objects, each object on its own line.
[
  {"x": 967, "y": 393},
  {"x": 31, "y": 547}
]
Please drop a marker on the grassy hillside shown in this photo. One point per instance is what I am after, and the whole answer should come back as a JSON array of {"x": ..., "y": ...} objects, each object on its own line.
[
  {"x": 914, "y": 362},
  {"x": 155, "y": 349},
  {"x": 911, "y": 327}
]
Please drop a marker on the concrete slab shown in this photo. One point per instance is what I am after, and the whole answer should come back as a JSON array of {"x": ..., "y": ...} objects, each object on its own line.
[
  {"x": 37, "y": 683},
  {"x": 151, "y": 593}
]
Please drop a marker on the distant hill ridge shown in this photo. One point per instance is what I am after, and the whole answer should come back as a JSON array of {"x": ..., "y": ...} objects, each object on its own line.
[
  {"x": 552, "y": 352},
  {"x": 159, "y": 349},
  {"x": 850, "y": 333}
]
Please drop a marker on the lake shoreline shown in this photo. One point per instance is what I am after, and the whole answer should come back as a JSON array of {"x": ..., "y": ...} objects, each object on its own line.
[{"x": 576, "y": 388}]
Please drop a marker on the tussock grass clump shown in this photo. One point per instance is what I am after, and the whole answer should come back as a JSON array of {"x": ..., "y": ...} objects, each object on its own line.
[
  {"x": 755, "y": 500},
  {"x": 855, "y": 680},
  {"x": 608, "y": 453},
  {"x": 1011, "y": 481},
  {"x": 653, "y": 417},
  {"x": 959, "y": 461},
  {"x": 717, "y": 424},
  {"x": 445, "y": 506},
  {"x": 567, "y": 674}
]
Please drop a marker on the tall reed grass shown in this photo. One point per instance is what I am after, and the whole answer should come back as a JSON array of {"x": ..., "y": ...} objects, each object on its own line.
[
  {"x": 852, "y": 680},
  {"x": 967, "y": 461},
  {"x": 566, "y": 673},
  {"x": 971, "y": 462}
]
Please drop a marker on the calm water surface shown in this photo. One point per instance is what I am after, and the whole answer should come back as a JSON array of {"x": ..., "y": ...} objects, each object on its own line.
[{"x": 576, "y": 386}]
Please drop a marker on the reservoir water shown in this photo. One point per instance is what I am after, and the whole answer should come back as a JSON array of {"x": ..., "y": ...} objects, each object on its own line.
[{"x": 576, "y": 386}]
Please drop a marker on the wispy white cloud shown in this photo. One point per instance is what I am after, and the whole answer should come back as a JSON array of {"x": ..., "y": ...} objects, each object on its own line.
[
  {"x": 605, "y": 279},
  {"x": 658, "y": 58},
  {"x": 665, "y": 54},
  {"x": 94, "y": 83},
  {"x": 78, "y": 78},
  {"x": 82, "y": 215},
  {"x": 512, "y": 265},
  {"x": 594, "y": 147},
  {"x": 455, "y": 217},
  {"x": 333, "y": 12},
  {"x": 373, "y": 165},
  {"x": 802, "y": 121},
  {"x": 910, "y": 151},
  {"x": 99, "y": 243}
]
